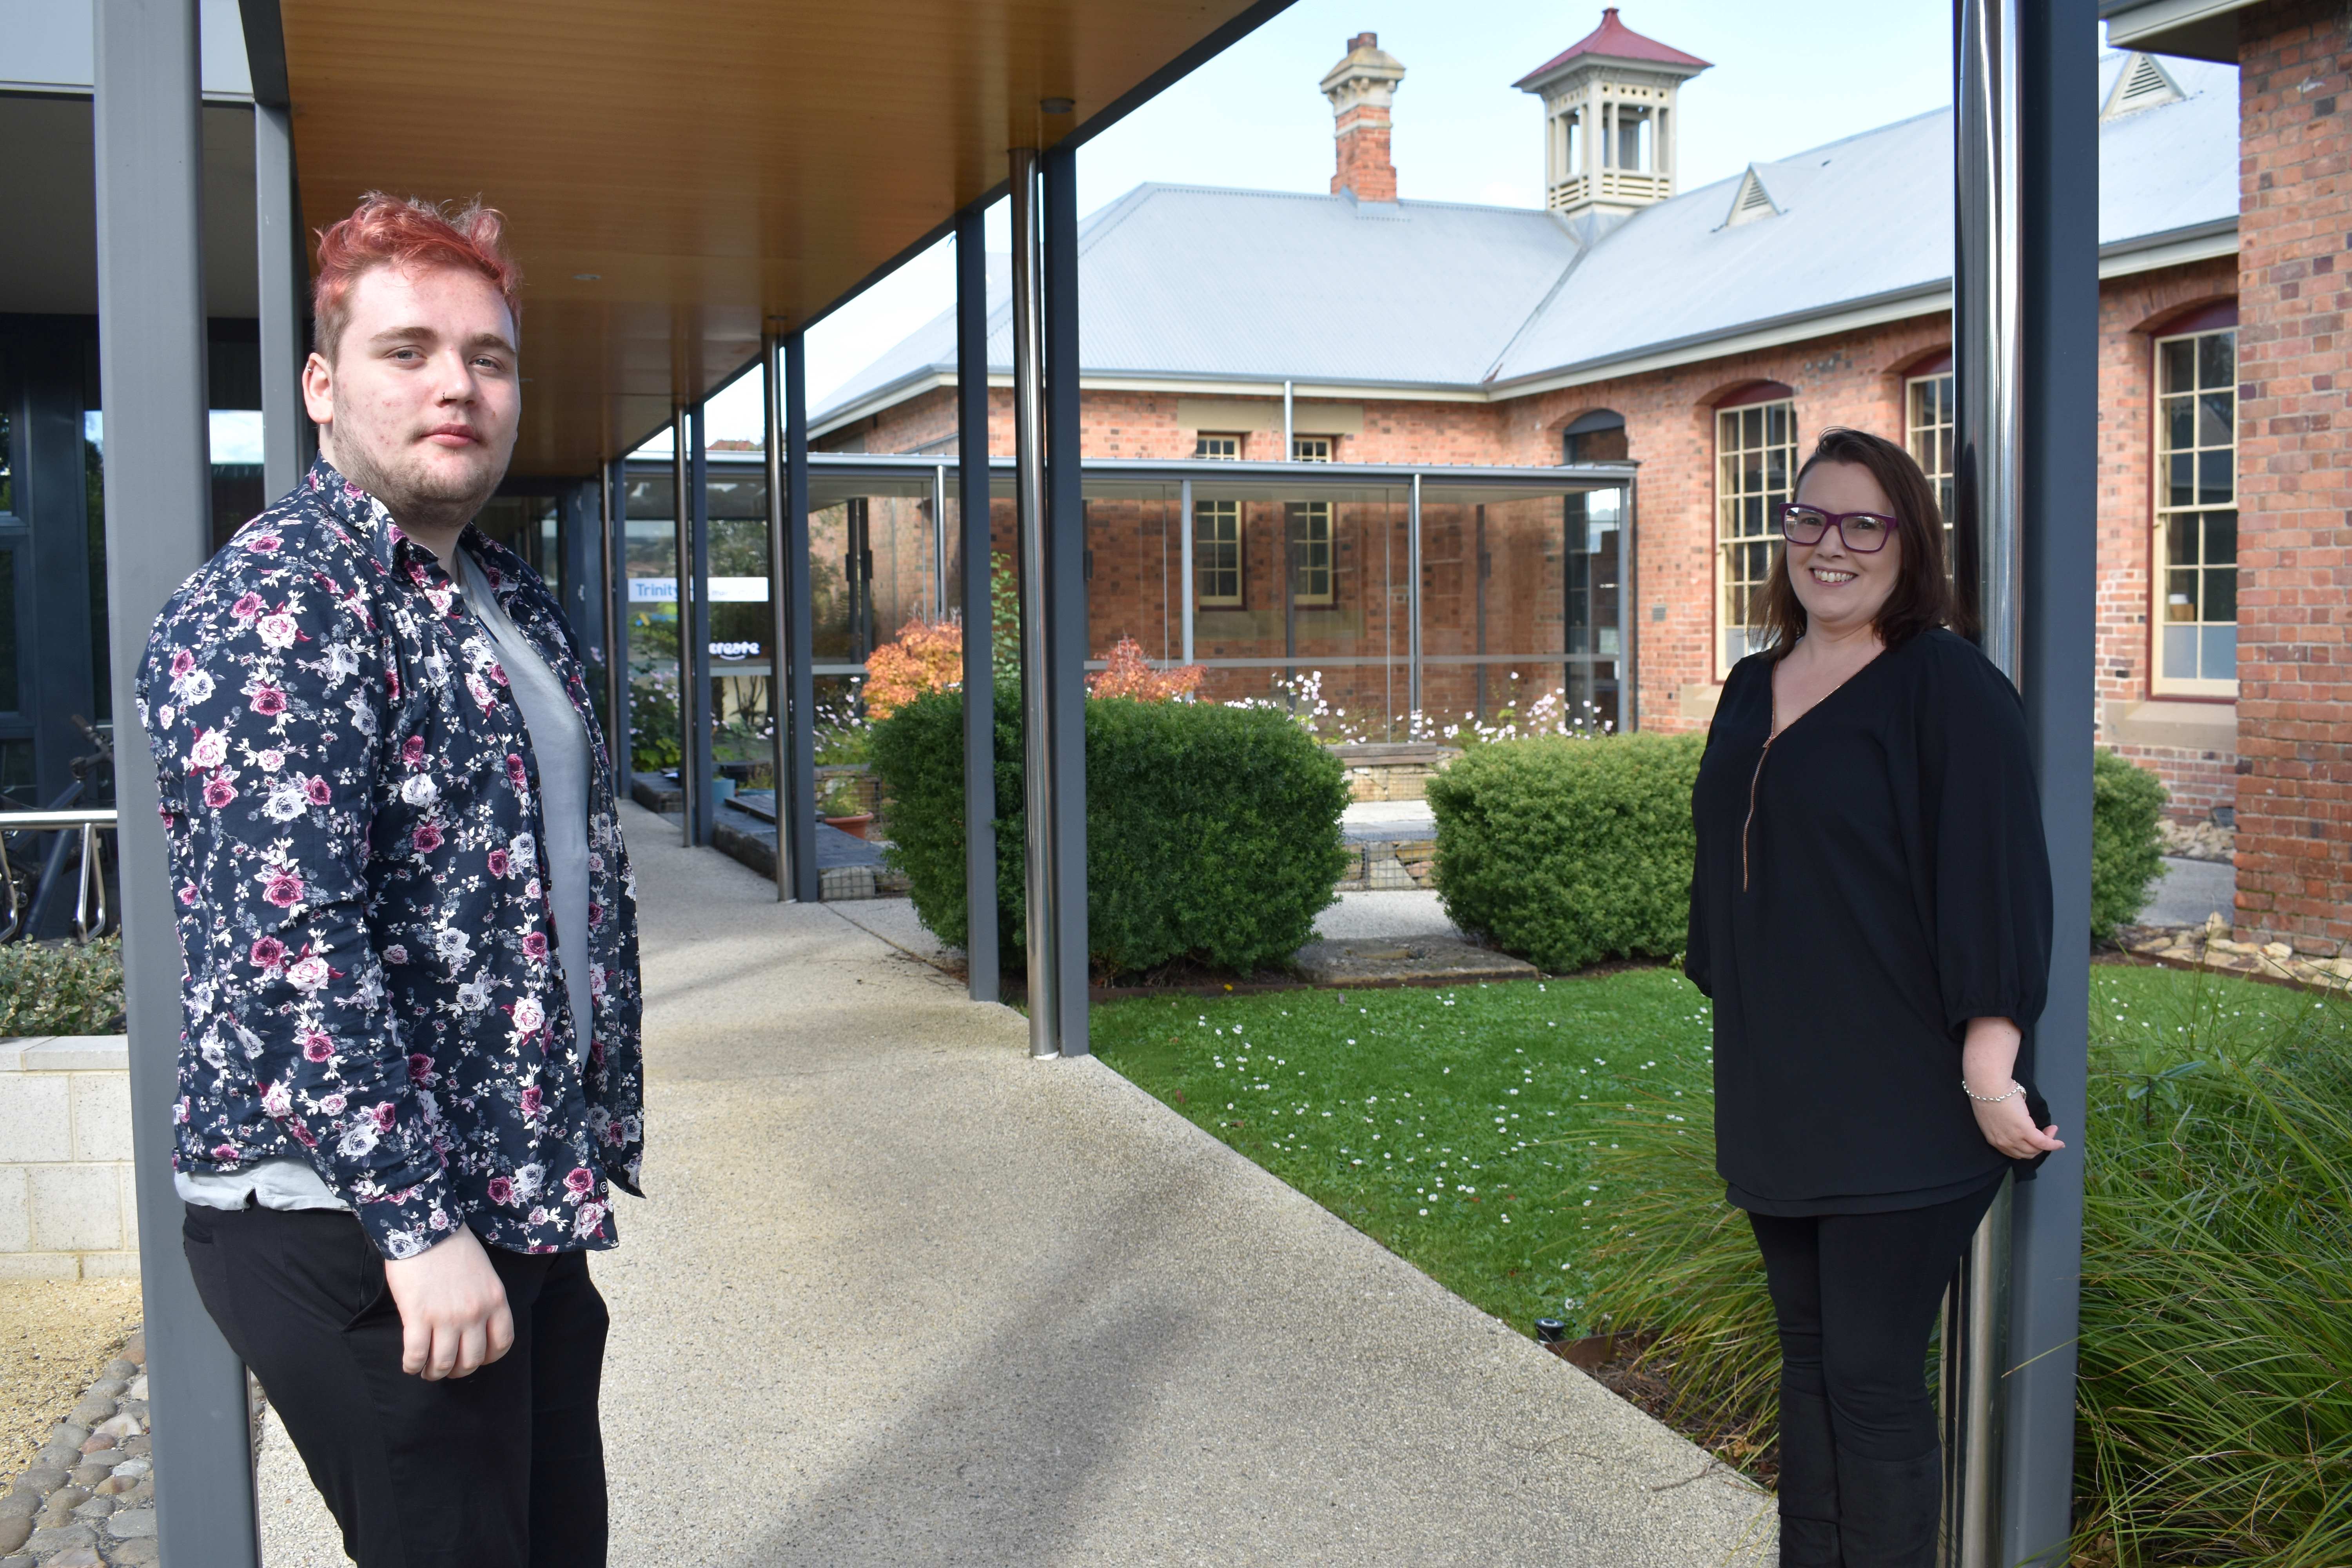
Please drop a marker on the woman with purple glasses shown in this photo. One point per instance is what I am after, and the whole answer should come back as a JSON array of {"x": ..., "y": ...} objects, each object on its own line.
[{"x": 1870, "y": 912}]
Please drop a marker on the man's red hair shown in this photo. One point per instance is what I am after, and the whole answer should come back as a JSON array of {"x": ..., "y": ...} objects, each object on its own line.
[{"x": 396, "y": 231}]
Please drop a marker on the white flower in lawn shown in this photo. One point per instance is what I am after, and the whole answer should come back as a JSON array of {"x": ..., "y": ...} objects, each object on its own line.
[{"x": 1424, "y": 1211}]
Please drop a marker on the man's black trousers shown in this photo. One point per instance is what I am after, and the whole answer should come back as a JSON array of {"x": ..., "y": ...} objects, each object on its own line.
[{"x": 502, "y": 1468}]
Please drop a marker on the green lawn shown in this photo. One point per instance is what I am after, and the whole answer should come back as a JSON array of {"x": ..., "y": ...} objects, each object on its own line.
[
  {"x": 1457, "y": 1128},
  {"x": 1460, "y": 1128}
]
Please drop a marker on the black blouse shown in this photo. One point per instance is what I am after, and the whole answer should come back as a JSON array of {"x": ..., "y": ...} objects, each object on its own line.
[{"x": 1867, "y": 881}]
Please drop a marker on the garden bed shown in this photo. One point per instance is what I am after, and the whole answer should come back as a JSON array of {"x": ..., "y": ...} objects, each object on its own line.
[{"x": 1544, "y": 1149}]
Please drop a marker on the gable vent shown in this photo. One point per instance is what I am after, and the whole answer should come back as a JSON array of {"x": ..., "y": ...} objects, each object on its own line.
[
  {"x": 2142, "y": 84},
  {"x": 1752, "y": 202}
]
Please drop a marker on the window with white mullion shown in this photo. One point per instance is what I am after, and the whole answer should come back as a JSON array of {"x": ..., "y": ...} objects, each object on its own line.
[
  {"x": 1310, "y": 552},
  {"x": 2195, "y": 547},
  {"x": 1756, "y": 468},
  {"x": 1217, "y": 552},
  {"x": 1928, "y": 425}
]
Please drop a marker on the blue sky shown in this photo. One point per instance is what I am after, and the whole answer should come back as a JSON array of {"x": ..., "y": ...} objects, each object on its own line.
[{"x": 1252, "y": 118}]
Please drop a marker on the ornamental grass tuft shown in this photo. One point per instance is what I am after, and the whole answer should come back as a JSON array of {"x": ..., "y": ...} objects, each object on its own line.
[{"x": 2214, "y": 1424}]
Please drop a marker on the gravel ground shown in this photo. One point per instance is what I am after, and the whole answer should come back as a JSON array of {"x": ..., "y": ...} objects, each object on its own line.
[{"x": 54, "y": 1338}]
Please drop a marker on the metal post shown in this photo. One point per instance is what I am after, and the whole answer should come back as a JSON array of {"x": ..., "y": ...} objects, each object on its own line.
[
  {"x": 1987, "y": 342},
  {"x": 1289, "y": 426},
  {"x": 616, "y": 624},
  {"x": 1412, "y": 602},
  {"x": 1185, "y": 557},
  {"x": 681, "y": 581},
  {"x": 771, "y": 444},
  {"x": 940, "y": 543},
  {"x": 796, "y": 796},
  {"x": 1029, "y": 498},
  {"x": 705, "y": 767},
  {"x": 151, "y": 306},
  {"x": 280, "y": 274},
  {"x": 2060, "y": 201},
  {"x": 981, "y": 957},
  {"x": 1629, "y": 611},
  {"x": 1065, "y": 596},
  {"x": 2025, "y": 346}
]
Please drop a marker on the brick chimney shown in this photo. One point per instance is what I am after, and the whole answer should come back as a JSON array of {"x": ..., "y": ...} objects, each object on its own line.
[{"x": 1362, "y": 87}]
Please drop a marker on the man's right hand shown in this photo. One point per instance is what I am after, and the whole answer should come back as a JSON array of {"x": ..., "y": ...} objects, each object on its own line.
[{"x": 453, "y": 1309}]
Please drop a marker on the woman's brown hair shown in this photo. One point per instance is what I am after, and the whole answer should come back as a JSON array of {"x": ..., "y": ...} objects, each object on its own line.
[{"x": 1922, "y": 596}]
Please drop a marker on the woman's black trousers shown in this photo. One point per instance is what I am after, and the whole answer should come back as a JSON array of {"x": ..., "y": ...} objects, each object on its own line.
[{"x": 1855, "y": 1297}]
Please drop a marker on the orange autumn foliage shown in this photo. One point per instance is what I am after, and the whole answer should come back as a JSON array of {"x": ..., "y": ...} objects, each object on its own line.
[
  {"x": 928, "y": 656},
  {"x": 1127, "y": 673}
]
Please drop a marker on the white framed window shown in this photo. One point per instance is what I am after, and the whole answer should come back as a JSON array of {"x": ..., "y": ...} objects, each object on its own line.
[
  {"x": 1208, "y": 443},
  {"x": 2195, "y": 549},
  {"x": 1755, "y": 475},
  {"x": 1310, "y": 449},
  {"x": 1217, "y": 552},
  {"x": 1310, "y": 549},
  {"x": 1928, "y": 424}
]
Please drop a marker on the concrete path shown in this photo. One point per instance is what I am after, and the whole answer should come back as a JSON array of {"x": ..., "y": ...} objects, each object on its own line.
[
  {"x": 902, "y": 1296},
  {"x": 2191, "y": 890}
]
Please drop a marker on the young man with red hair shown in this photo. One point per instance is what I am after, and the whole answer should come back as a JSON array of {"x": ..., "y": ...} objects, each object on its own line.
[{"x": 411, "y": 1063}]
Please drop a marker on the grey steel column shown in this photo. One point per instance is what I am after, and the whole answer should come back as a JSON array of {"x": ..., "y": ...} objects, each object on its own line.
[
  {"x": 1029, "y": 502},
  {"x": 1289, "y": 426},
  {"x": 2060, "y": 198},
  {"x": 1413, "y": 601},
  {"x": 983, "y": 958},
  {"x": 1629, "y": 611},
  {"x": 772, "y": 443},
  {"x": 682, "y": 580},
  {"x": 150, "y": 308},
  {"x": 940, "y": 543},
  {"x": 2025, "y": 343},
  {"x": 1184, "y": 558},
  {"x": 1065, "y": 596},
  {"x": 616, "y": 624},
  {"x": 281, "y": 274},
  {"x": 796, "y": 794},
  {"x": 705, "y": 765}
]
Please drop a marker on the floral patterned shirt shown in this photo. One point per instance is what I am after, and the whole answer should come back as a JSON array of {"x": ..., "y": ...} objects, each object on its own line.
[{"x": 371, "y": 980}]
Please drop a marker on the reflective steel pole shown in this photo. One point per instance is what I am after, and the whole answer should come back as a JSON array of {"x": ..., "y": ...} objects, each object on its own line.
[
  {"x": 149, "y": 160},
  {"x": 771, "y": 442},
  {"x": 280, "y": 275},
  {"x": 983, "y": 960},
  {"x": 1988, "y": 356},
  {"x": 616, "y": 624},
  {"x": 683, "y": 578},
  {"x": 1065, "y": 591},
  {"x": 1413, "y": 601},
  {"x": 1037, "y": 709},
  {"x": 1184, "y": 561}
]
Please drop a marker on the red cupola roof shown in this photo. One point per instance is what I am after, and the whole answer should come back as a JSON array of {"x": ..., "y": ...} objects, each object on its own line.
[{"x": 1614, "y": 40}]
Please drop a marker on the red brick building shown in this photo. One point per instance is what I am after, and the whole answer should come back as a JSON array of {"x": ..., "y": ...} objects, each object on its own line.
[{"x": 1707, "y": 336}]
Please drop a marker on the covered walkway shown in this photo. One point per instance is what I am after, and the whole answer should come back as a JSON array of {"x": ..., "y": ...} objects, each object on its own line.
[{"x": 904, "y": 1295}]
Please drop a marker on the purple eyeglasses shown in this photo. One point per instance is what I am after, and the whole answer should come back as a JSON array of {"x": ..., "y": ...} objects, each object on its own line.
[{"x": 1863, "y": 532}]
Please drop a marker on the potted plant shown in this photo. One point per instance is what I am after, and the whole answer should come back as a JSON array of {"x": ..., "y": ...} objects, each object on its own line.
[{"x": 840, "y": 807}]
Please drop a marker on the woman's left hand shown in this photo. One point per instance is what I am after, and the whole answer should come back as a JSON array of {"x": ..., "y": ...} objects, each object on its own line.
[
  {"x": 1986, "y": 1058},
  {"x": 2008, "y": 1127}
]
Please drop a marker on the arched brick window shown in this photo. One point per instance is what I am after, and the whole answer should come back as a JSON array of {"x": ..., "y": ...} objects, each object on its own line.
[{"x": 2196, "y": 534}]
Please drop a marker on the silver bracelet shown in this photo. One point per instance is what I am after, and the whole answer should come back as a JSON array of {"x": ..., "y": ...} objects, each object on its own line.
[{"x": 2015, "y": 1088}]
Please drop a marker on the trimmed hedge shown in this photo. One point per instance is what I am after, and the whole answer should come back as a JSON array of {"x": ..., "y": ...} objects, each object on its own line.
[
  {"x": 1212, "y": 833},
  {"x": 2127, "y": 850},
  {"x": 1570, "y": 850},
  {"x": 61, "y": 989}
]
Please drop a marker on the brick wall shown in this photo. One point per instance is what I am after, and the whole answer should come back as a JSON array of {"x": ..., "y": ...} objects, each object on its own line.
[
  {"x": 2295, "y": 540},
  {"x": 1856, "y": 378}
]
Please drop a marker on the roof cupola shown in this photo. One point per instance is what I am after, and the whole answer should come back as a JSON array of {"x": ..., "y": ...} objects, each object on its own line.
[
  {"x": 1609, "y": 120},
  {"x": 1361, "y": 89}
]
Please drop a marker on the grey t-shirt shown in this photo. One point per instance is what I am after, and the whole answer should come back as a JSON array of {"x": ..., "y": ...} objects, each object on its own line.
[{"x": 559, "y": 744}]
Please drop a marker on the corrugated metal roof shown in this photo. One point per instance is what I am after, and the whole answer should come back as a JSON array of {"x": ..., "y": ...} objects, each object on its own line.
[{"x": 1187, "y": 282}]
